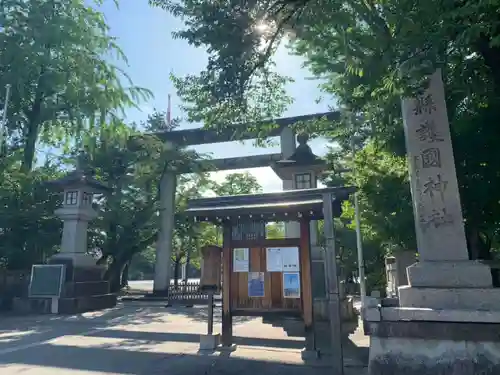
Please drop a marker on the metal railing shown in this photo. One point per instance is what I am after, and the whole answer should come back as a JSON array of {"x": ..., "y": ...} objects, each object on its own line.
[{"x": 187, "y": 294}]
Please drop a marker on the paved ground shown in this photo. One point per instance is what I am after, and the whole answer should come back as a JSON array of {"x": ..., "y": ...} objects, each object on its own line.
[{"x": 145, "y": 340}]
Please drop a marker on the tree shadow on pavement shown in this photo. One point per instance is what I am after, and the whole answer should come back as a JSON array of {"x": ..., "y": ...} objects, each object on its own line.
[
  {"x": 27, "y": 330},
  {"x": 131, "y": 338},
  {"x": 141, "y": 362},
  {"x": 200, "y": 314}
]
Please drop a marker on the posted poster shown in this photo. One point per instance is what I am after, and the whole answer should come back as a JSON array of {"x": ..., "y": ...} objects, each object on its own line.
[
  {"x": 291, "y": 284},
  {"x": 290, "y": 259},
  {"x": 274, "y": 260},
  {"x": 240, "y": 260},
  {"x": 256, "y": 284}
]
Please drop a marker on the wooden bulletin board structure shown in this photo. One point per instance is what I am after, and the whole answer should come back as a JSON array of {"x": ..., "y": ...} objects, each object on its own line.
[{"x": 253, "y": 285}]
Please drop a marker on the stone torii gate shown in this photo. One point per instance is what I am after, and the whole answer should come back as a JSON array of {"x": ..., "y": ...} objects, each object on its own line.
[{"x": 199, "y": 136}]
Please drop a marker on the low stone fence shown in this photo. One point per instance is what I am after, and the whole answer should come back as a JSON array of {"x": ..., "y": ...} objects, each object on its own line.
[{"x": 13, "y": 284}]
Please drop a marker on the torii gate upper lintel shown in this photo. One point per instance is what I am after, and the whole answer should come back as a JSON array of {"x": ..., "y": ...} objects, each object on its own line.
[{"x": 200, "y": 136}]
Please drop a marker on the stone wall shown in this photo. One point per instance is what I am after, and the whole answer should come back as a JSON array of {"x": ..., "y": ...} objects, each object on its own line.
[{"x": 12, "y": 284}]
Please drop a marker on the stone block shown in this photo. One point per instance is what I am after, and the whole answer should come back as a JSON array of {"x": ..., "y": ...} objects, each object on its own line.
[
  {"x": 371, "y": 301},
  {"x": 209, "y": 342},
  {"x": 432, "y": 315},
  {"x": 455, "y": 299},
  {"x": 309, "y": 355},
  {"x": 409, "y": 356},
  {"x": 372, "y": 314},
  {"x": 31, "y": 305},
  {"x": 389, "y": 302},
  {"x": 86, "y": 303},
  {"x": 466, "y": 274}
]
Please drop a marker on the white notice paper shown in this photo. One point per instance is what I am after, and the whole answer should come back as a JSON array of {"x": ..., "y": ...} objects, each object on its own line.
[
  {"x": 290, "y": 259},
  {"x": 240, "y": 260},
  {"x": 274, "y": 260}
]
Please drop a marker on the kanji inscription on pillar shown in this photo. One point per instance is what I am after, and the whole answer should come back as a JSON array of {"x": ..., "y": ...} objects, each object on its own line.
[{"x": 434, "y": 187}]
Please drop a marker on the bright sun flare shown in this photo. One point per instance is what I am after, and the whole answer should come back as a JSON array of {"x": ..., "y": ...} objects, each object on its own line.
[{"x": 262, "y": 27}]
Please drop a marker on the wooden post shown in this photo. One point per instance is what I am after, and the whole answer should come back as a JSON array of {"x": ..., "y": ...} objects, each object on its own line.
[
  {"x": 333, "y": 286},
  {"x": 307, "y": 299},
  {"x": 227, "y": 266}
]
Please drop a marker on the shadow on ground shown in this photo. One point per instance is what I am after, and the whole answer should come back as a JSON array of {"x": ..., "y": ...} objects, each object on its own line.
[
  {"x": 95, "y": 343},
  {"x": 117, "y": 360},
  {"x": 150, "y": 338},
  {"x": 200, "y": 314},
  {"x": 24, "y": 330}
]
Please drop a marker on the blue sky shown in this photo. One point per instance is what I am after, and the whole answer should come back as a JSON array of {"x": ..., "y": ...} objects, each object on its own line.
[{"x": 144, "y": 34}]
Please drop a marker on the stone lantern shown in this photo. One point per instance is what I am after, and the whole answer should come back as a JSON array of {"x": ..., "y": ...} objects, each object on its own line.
[
  {"x": 79, "y": 187},
  {"x": 84, "y": 287}
]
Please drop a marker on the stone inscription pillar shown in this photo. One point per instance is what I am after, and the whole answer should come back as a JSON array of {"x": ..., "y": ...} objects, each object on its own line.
[
  {"x": 434, "y": 186},
  {"x": 442, "y": 247}
]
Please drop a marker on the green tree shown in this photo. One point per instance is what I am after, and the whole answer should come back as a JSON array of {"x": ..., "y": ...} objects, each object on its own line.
[
  {"x": 275, "y": 230},
  {"x": 131, "y": 162},
  {"x": 142, "y": 264},
  {"x": 237, "y": 184},
  {"x": 30, "y": 232},
  {"x": 209, "y": 96},
  {"x": 55, "y": 55}
]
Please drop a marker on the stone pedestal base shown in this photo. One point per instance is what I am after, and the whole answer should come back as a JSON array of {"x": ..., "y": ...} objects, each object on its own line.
[
  {"x": 458, "y": 274},
  {"x": 394, "y": 356},
  {"x": 209, "y": 342},
  {"x": 459, "y": 298},
  {"x": 84, "y": 290},
  {"x": 433, "y": 342},
  {"x": 465, "y": 285}
]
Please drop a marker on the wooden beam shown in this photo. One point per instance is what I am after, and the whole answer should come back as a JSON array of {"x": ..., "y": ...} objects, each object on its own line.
[{"x": 199, "y": 136}]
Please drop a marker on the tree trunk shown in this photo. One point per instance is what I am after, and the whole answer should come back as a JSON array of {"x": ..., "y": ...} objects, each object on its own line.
[
  {"x": 188, "y": 262},
  {"x": 491, "y": 56},
  {"x": 33, "y": 126},
  {"x": 29, "y": 149},
  {"x": 478, "y": 249},
  {"x": 114, "y": 275},
  {"x": 124, "y": 281},
  {"x": 177, "y": 263}
]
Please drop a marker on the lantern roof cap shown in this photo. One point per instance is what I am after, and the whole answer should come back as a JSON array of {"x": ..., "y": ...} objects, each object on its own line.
[
  {"x": 302, "y": 160},
  {"x": 303, "y": 155}
]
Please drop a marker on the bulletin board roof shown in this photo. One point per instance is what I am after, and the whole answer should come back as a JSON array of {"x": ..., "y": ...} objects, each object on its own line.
[{"x": 283, "y": 206}]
